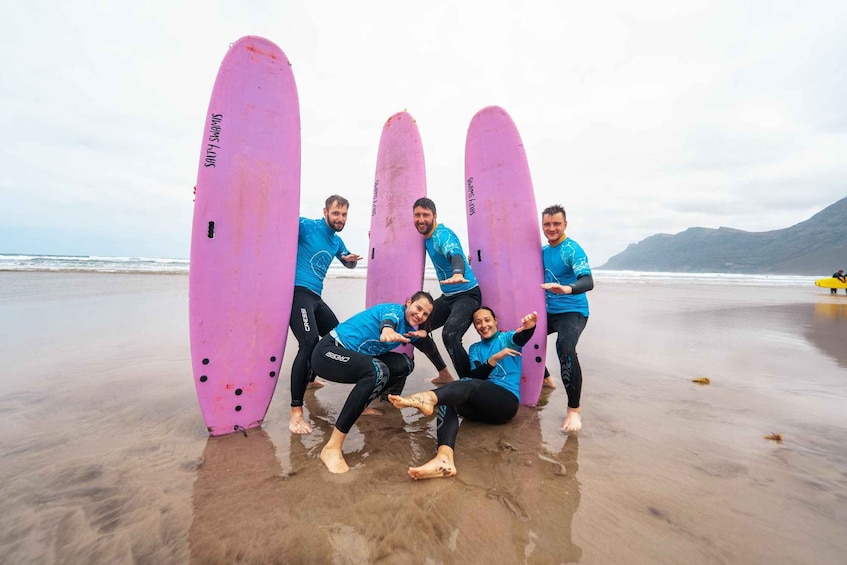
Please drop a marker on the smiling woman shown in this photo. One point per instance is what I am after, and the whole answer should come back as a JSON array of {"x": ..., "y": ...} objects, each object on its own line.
[
  {"x": 358, "y": 352},
  {"x": 491, "y": 395}
]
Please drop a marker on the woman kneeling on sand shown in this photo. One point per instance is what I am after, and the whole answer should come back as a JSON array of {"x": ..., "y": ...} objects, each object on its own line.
[
  {"x": 358, "y": 352},
  {"x": 491, "y": 395}
]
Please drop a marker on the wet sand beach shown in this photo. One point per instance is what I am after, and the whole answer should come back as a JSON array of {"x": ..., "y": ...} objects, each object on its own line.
[{"x": 104, "y": 457}]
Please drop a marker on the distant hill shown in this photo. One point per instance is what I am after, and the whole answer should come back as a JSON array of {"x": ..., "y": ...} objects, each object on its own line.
[{"x": 817, "y": 246}]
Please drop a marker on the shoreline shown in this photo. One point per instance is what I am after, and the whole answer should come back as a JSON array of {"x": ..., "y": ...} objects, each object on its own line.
[{"x": 635, "y": 277}]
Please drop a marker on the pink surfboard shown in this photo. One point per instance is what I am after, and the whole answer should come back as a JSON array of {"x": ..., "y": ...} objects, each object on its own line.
[
  {"x": 504, "y": 234},
  {"x": 244, "y": 235},
  {"x": 396, "y": 251}
]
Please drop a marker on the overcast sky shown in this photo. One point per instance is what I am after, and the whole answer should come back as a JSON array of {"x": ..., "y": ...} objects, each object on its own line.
[{"x": 638, "y": 117}]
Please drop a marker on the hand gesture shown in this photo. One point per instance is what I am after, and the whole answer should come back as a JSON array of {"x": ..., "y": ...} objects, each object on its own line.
[
  {"x": 557, "y": 288},
  {"x": 505, "y": 352},
  {"x": 457, "y": 278},
  {"x": 351, "y": 258},
  {"x": 528, "y": 321},
  {"x": 388, "y": 335}
]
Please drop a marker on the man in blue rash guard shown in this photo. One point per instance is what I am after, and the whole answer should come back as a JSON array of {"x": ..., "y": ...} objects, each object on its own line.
[
  {"x": 567, "y": 277},
  {"x": 460, "y": 292},
  {"x": 318, "y": 243},
  {"x": 491, "y": 395},
  {"x": 358, "y": 352}
]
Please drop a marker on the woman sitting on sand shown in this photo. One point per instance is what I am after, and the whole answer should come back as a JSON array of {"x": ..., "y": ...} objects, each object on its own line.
[
  {"x": 492, "y": 394},
  {"x": 357, "y": 352}
]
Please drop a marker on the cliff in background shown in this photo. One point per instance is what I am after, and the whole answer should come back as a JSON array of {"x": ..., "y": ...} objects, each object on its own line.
[{"x": 817, "y": 246}]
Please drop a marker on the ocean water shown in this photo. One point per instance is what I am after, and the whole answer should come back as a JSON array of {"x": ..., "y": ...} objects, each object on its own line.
[{"x": 90, "y": 263}]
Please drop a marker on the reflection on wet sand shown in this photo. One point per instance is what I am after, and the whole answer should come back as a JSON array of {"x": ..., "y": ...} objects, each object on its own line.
[
  {"x": 826, "y": 328},
  {"x": 513, "y": 500}
]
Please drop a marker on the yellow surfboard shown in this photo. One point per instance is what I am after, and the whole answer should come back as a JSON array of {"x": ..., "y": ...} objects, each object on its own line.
[{"x": 830, "y": 282}]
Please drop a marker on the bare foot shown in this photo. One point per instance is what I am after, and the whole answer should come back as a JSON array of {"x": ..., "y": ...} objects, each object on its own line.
[
  {"x": 334, "y": 460},
  {"x": 440, "y": 466},
  {"x": 423, "y": 401},
  {"x": 298, "y": 424},
  {"x": 373, "y": 412},
  {"x": 443, "y": 377},
  {"x": 549, "y": 383},
  {"x": 573, "y": 421},
  {"x": 316, "y": 384}
]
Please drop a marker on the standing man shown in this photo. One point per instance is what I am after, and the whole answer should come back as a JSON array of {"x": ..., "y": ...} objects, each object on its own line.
[
  {"x": 317, "y": 243},
  {"x": 839, "y": 274},
  {"x": 567, "y": 277},
  {"x": 460, "y": 296}
]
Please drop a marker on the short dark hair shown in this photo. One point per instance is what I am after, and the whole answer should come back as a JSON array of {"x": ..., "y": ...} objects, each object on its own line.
[
  {"x": 425, "y": 203},
  {"x": 553, "y": 210},
  {"x": 422, "y": 294},
  {"x": 335, "y": 199}
]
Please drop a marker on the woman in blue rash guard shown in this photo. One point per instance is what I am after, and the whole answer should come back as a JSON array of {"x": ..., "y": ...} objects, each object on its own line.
[
  {"x": 358, "y": 352},
  {"x": 491, "y": 395}
]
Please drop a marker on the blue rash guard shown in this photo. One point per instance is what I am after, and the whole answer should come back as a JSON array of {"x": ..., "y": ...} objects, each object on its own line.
[
  {"x": 441, "y": 245},
  {"x": 361, "y": 332},
  {"x": 564, "y": 263},
  {"x": 507, "y": 372},
  {"x": 317, "y": 244}
]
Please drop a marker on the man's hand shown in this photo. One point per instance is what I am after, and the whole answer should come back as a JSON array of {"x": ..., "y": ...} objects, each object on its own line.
[
  {"x": 557, "y": 288},
  {"x": 457, "y": 278}
]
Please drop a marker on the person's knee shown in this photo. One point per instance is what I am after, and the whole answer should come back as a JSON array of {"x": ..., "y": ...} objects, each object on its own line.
[
  {"x": 452, "y": 336},
  {"x": 382, "y": 375}
]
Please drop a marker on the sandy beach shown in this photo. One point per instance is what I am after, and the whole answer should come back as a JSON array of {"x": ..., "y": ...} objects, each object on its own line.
[{"x": 104, "y": 457}]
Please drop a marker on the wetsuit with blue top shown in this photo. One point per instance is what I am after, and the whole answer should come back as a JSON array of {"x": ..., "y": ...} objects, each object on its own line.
[
  {"x": 566, "y": 263},
  {"x": 490, "y": 394},
  {"x": 455, "y": 307},
  {"x": 317, "y": 245},
  {"x": 352, "y": 353}
]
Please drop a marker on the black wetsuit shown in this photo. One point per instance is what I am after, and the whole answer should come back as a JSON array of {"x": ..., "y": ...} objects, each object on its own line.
[
  {"x": 310, "y": 319},
  {"x": 475, "y": 398},
  {"x": 841, "y": 278},
  {"x": 352, "y": 353}
]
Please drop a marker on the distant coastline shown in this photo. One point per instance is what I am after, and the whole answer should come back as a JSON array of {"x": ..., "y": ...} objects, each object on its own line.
[{"x": 817, "y": 246}]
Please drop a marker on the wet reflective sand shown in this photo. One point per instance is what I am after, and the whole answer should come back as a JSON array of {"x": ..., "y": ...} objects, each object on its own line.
[{"x": 104, "y": 457}]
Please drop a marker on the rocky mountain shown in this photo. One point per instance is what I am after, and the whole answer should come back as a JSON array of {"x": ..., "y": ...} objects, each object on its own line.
[{"x": 817, "y": 246}]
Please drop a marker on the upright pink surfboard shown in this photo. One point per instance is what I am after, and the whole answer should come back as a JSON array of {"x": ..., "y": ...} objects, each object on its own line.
[
  {"x": 244, "y": 236},
  {"x": 396, "y": 250},
  {"x": 504, "y": 234}
]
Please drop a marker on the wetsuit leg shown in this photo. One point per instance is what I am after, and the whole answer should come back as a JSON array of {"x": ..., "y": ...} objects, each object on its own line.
[
  {"x": 399, "y": 366},
  {"x": 304, "y": 326},
  {"x": 460, "y": 319},
  {"x": 474, "y": 399},
  {"x": 327, "y": 321},
  {"x": 338, "y": 364},
  {"x": 437, "y": 318},
  {"x": 439, "y": 314},
  {"x": 427, "y": 346},
  {"x": 568, "y": 326},
  {"x": 447, "y": 425}
]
